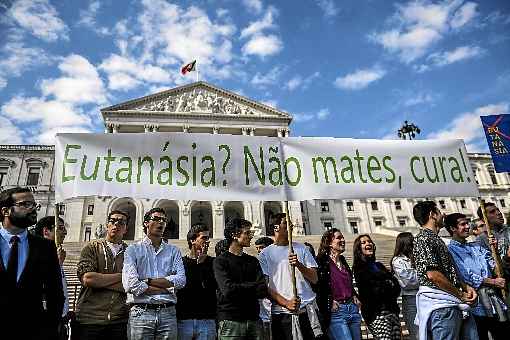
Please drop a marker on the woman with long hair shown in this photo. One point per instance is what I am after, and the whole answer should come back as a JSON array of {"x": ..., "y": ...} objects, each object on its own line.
[
  {"x": 402, "y": 266},
  {"x": 378, "y": 291},
  {"x": 336, "y": 296}
]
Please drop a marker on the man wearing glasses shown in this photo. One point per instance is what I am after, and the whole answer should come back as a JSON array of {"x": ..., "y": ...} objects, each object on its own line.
[
  {"x": 101, "y": 310},
  {"x": 152, "y": 271},
  {"x": 31, "y": 296}
]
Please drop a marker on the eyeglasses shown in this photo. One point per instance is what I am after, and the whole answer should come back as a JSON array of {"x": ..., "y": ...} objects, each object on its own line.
[
  {"x": 28, "y": 205},
  {"x": 120, "y": 221},
  {"x": 159, "y": 219}
]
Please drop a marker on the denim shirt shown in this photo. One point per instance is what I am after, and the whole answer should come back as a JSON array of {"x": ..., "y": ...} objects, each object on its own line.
[{"x": 474, "y": 264}]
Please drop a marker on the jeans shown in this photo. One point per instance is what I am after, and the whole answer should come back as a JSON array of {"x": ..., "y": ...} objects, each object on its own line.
[
  {"x": 196, "y": 329},
  {"x": 448, "y": 324},
  {"x": 409, "y": 313},
  {"x": 245, "y": 330},
  {"x": 152, "y": 324},
  {"x": 345, "y": 323}
]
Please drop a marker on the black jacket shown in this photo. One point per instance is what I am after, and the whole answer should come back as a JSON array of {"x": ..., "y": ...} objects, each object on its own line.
[
  {"x": 324, "y": 293},
  {"x": 378, "y": 290},
  {"x": 33, "y": 309}
]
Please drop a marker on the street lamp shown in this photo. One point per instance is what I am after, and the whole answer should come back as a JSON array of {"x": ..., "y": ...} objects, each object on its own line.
[{"x": 408, "y": 131}]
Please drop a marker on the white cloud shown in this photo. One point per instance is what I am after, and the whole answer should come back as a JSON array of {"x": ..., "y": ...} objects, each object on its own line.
[
  {"x": 88, "y": 18},
  {"x": 419, "y": 99},
  {"x": 270, "y": 102},
  {"x": 328, "y": 7},
  {"x": 3, "y": 83},
  {"x": 467, "y": 125},
  {"x": 464, "y": 15},
  {"x": 419, "y": 25},
  {"x": 458, "y": 54},
  {"x": 9, "y": 133},
  {"x": 79, "y": 84},
  {"x": 263, "y": 46},
  {"x": 359, "y": 79},
  {"x": 261, "y": 43},
  {"x": 169, "y": 31},
  {"x": 298, "y": 82},
  {"x": 256, "y": 27},
  {"x": 270, "y": 78},
  {"x": 125, "y": 73},
  {"x": 40, "y": 18},
  {"x": 253, "y": 5},
  {"x": 16, "y": 58},
  {"x": 302, "y": 117},
  {"x": 323, "y": 114}
]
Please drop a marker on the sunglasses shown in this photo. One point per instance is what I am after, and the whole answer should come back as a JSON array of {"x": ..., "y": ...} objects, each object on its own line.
[
  {"x": 119, "y": 221},
  {"x": 159, "y": 219},
  {"x": 28, "y": 205}
]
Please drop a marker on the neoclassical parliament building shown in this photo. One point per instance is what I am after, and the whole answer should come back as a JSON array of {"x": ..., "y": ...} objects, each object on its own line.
[{"x": 203, "y": 108}]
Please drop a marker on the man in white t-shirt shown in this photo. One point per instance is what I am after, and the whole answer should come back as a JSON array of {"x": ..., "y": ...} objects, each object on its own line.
[{"x": 276, "y": 263}]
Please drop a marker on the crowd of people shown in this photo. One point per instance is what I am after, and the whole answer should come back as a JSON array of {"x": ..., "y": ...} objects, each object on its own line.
[{"x": 149, "y": 290}]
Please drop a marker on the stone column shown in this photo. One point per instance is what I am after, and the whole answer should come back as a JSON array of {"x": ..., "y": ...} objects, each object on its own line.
[
  {"x": 147, "y": 128},
  {"x": 115, "y": 128},
  {"x": 218, "y": 219},
  {"x": 252, "y": 132},
  {"x": 215, "y": 130},
  {"x": 279, "y": 132},
  {"x": 184, "y": 219},
  {"x": 185, "y": 128},
  {"x": 155, "y": 128},
  {"x": 244, "y": 131}
]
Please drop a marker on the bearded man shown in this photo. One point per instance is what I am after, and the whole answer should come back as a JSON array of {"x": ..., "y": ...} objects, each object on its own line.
[{"x": 31, "y": 295}]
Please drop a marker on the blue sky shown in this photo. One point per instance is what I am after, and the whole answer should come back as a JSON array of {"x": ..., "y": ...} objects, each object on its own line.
[{"x": 341, "y": 68}]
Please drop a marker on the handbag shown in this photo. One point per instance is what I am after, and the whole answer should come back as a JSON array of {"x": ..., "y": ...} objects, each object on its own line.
[{"x": 493, "y": 305}]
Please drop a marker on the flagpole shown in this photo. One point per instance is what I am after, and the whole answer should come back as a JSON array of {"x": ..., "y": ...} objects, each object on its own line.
[
  {"x": 291, "y": 249},
  {"x": 494, "y": 251}
]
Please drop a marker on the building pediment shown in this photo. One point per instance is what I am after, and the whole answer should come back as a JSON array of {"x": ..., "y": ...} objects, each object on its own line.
[{"x": 198, "y": 98}]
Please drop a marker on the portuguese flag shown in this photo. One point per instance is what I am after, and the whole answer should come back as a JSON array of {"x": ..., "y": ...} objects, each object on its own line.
[{"x": 188, "y": 67}]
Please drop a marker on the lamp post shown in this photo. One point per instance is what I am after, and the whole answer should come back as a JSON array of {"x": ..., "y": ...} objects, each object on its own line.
[{"x": 408, "y": 131}]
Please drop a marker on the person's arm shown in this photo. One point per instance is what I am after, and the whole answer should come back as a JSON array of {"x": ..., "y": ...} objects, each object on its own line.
[
  {"x": 405, "y": 273},
  {"x": 308, "y": 267},
  {"x": 227, "y": 287},
  {"x": 444, "y": 284},
  {"x": 292, "y": 305},
  {"x": 130, "y": 280},
  {"x": 87, "y": 270}
]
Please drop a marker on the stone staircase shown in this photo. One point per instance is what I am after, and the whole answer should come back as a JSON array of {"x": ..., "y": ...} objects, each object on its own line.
[{"x": 385, "y": 245}]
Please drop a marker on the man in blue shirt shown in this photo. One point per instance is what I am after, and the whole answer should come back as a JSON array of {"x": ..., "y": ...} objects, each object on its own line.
[{"x": 475, "y": 266}]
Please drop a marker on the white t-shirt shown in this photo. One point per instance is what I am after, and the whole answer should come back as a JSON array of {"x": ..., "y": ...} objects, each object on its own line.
[{"x": 274, "y": 261}]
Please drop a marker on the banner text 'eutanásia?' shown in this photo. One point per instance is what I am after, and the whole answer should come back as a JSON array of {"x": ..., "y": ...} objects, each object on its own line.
[{"x": 225, "y": 167}]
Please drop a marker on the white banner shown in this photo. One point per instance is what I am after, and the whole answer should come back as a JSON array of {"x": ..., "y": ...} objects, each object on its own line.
[{"x": 224, "y": 167}]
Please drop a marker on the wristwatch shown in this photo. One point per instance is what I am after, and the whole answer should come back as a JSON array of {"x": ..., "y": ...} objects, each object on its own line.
[{"x": 148, "y": 281}]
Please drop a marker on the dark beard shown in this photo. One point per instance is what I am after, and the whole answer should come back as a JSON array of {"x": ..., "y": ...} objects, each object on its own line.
[{"x": 23, "y": 220}]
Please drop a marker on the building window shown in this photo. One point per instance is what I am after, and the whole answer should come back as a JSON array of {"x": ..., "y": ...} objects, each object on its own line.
[
  {"x": 350, "y": 206},
  {"x": 3, "y": 176},
  {"x": 474, "y": 168},
  {"x": 398, "y": 205},
  {"x": 324, "y": 206},
  {"x": 90, "y": 209},
  {"x": 33, "y": 176},
  {"x": 328, "y": 225},
  {"x": 463, "y": 204},
  {"x": 492, "y": 174},
  {"x": 502, "y": 202},
  {"x": 374, "y": 205},
  {"x": 402, "y": 223},
  {"x": 442, "y": 204},
  {"x": 378, "y": 223},
  {"x": 354, "y": 226}
]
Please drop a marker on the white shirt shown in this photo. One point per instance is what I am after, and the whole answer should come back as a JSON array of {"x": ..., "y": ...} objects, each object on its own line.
[
  {"x": 274, "y": 261},
  {"x": 142, "y": 261},
  {"x": 406, "y": 275}
]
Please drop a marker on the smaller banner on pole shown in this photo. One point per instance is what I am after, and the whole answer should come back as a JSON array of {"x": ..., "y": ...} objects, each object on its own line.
[{"x": 497, "y": 131}]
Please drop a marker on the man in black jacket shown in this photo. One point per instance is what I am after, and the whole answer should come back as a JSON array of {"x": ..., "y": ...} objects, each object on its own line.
[
  {"x": 31, "y": 296},
  {"x": 240, "y": 285}
]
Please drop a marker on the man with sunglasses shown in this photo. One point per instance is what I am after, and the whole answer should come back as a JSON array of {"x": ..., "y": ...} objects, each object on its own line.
[
  {"x": 31, "y": 296},
  {"x": 101, "y": 310},
  {"x": 153, "y": 271}
]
